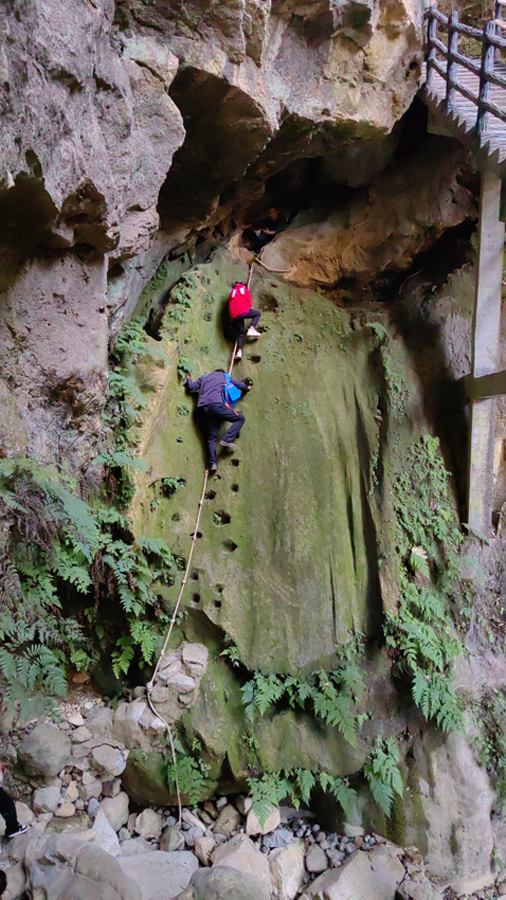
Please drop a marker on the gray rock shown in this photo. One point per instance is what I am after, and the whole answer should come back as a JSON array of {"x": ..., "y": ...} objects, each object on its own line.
[
  {"x": 109, "y": 761},
  {"x": 287, "y": 871},
  {"x": 134, "y": 846},
  {"x": 47, "y": 799},
  {"x": 148, "y": 824},
  {"x": 192, "y": 835},
  {"x": 240, "y": 853},
  {"x": 316, "y": 861},
  {"x": 116, "y": 810},
  {"x": 105, "y": 836},
  {"x": 224, "y": 884},
  {"x": 160, "y": 875},
  {"x": 370, "y": 876},
  {"x": 63, "y": 867},
  {"x": 45, "y": 751},
  {"x": 90, "y": 786},
  {"x": 335, "y": 857},
  {"x": 279, "y": 838},
  {"x": 172, "y": 839}
]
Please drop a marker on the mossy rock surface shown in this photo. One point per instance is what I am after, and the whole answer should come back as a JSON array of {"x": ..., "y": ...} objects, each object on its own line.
[{"x": 286, "y": 564}]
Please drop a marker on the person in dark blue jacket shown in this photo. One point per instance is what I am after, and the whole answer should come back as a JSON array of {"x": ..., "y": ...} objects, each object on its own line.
[{"x": 213, "y": 410}]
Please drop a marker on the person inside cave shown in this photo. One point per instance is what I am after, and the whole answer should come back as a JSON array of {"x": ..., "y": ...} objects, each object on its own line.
[
  {"x": 215, "y": 406},
  {"x": 240, "y": 309},
  {"x": 257, "y": 236}
]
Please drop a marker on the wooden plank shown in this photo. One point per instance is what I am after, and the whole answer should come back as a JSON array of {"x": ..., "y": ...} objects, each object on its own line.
[{"x": 493, "y": 385}]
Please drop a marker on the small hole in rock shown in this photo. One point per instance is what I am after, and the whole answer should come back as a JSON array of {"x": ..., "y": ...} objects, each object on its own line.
[
  {"x": 221, "y": 518},
  {"x": 217, "y": 604},
  {"x": 220, "y": 588},
  {"x": 255, "y": 359},
  {"x": 230, "y": 546},
  {"x": 196, "y": 598},
  {"x": 210, "y": 495},
  {"x": 235, "y": 462},
  {"x": 197, "y": 533},
  {"x": 234, "y": 488},
  {"x": 195, "y": 575}
]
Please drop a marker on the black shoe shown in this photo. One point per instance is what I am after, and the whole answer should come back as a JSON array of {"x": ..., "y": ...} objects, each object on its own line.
[
  {"x": 229, "y": 444},
  {"x": 213, "y": 470},
  {"x": 21, "y": 830}
]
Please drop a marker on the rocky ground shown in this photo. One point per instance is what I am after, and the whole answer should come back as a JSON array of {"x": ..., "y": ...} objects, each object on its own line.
[{"x": 85, "y": 829}]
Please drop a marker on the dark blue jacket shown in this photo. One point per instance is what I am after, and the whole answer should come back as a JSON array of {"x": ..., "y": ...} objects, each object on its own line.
[{"x": 211, "y": 387}]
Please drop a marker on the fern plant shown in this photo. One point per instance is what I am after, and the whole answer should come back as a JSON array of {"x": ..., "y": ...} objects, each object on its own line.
[
  {"x": 383, "y": 775},
  {"x": 270, "y": 789},
  {"x": 332, "y": 696},
  {"x": 422, "y": 635}
]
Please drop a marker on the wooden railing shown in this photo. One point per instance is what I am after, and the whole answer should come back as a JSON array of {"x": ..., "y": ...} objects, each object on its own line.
[{"x": 484, "y": 69}]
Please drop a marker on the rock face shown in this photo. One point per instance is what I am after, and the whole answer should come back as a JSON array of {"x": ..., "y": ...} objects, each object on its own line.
[
  {"x": 341, "y": 246},
  {"x": 93, "y": 145},
  {"x": 457, "y": 799}
]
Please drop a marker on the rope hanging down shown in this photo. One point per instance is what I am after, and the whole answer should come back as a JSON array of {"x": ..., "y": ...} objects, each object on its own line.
[{"x": 151, "y": 684}]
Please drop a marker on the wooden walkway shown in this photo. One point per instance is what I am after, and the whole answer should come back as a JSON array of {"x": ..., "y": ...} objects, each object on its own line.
[
  {"x": 464, "y": 112},
  {"x": 466, "y": 97}
]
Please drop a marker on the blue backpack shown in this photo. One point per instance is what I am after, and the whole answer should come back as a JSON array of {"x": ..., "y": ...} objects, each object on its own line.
[{"x": 231, "y": 393}]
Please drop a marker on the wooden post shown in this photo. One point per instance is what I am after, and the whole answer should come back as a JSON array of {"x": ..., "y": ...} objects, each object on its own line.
[
  {"x": 487, "y": 66},
  {"x": 431, "y": 50},
  {"x": 485, "y": 351},
  {"x": 451, "y": 68}
]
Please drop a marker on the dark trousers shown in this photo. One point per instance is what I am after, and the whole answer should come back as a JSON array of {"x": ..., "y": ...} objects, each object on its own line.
[
  {"x": 8, "y": 812},
  {"x": 212, "y": 417},
  {"x": 239, "y": 325}
]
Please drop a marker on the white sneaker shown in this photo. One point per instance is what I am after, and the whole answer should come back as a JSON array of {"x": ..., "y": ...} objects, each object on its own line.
[
  {"x": 252, "y": 332},
  {"x": 238, "y": 354}
]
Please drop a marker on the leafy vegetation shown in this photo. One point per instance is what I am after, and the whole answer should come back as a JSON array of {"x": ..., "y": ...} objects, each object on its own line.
[
  {"x": 296, "y": 785},
  {"x": 383, "y": 775},
  {"x": 57, "y": 553},
  {"x": 331, "y": 696},
  {"x": 422, "y": 635},
  {"x": 192, "y": 772}
]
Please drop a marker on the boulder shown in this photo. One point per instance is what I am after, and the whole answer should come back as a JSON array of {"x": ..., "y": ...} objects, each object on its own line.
[
  {"x": 254, "y": 826},
  {"x": 45, "y": 751},
  {"x": 240, "y": 853},
  {"x": 204, "y": 847},
  {"x": 160, "y": 875},
  {"x": 90, "y": 786},
  {"x": 145, "y": 779},
  {"x": 316, "y": 861},
  {"x": 99, "y": 722},
  {"x": 62, "y": 867},
  {"x": 24, "y": 813},
  {"x": 134, "y": 846},
  {"x": 109, "y": 761},
  {"x": 16, "y": 882},
  {"x": 364, "y": 876},
  {"x": 148, "y": 824},
  {"x": 224, "y": 884},
  {"x": 287, "y": 871},
  {"x": 105, "y": 836},
  {"x": 228, "y": 820},
  {"x": 80, "y": 735},
  {"x": 173, "y": 839},
  {"x": 116, "y": 810},
  {"x": 135, "y": 725}
]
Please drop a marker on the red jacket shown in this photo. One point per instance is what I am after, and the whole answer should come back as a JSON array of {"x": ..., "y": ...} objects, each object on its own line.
[{"x": 239, "y": 300}]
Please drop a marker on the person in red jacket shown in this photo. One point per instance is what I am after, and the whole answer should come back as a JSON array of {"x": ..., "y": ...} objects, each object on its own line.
[{"x": 240, "y": 309}]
